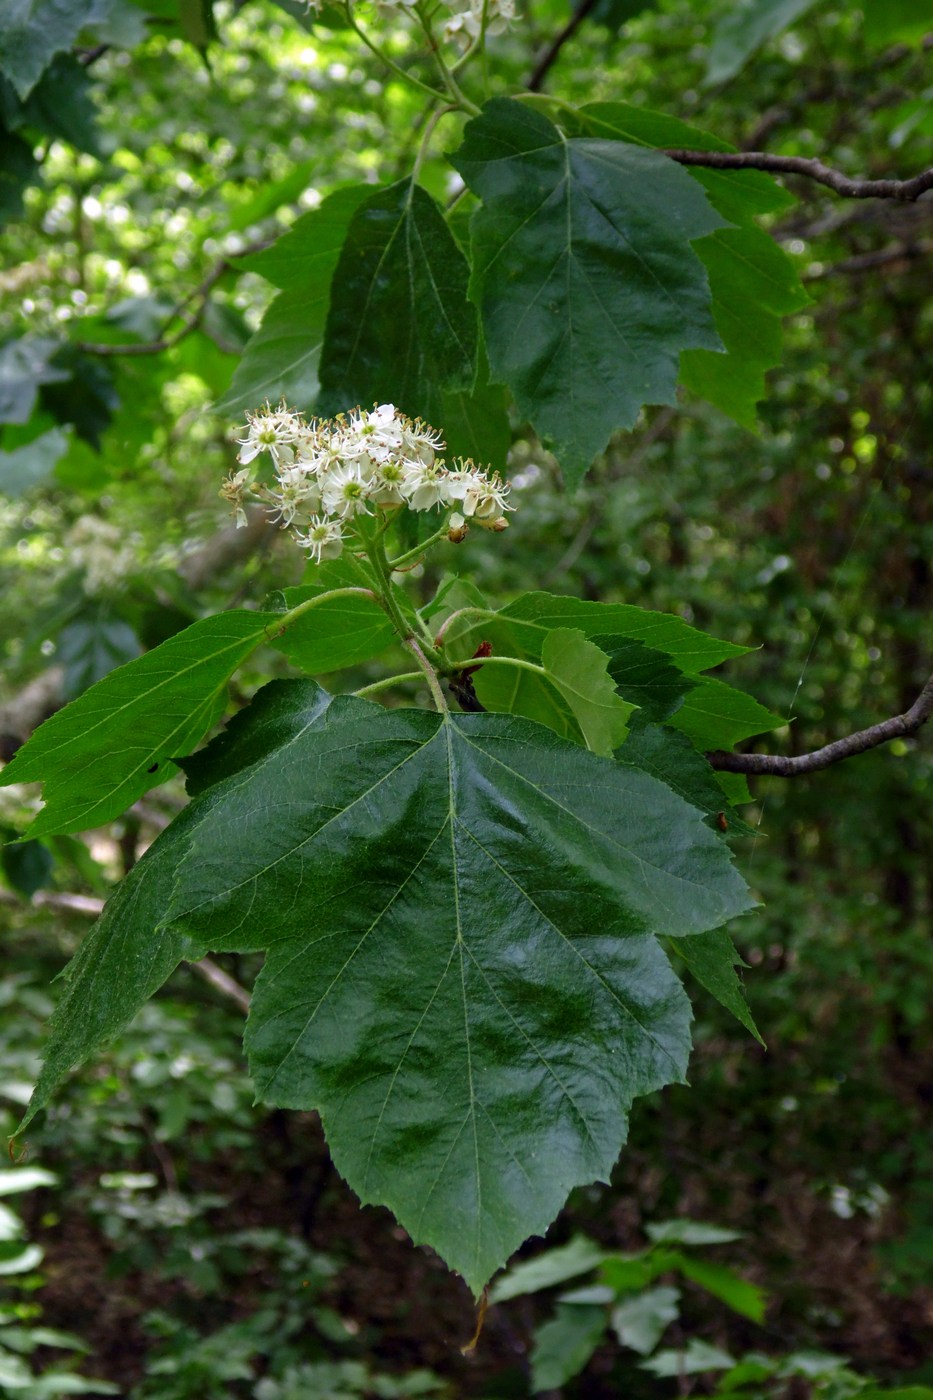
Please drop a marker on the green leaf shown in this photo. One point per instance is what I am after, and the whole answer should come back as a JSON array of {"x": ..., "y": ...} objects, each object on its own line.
[
  {"x": 695, "y": 1232},
  {"x": 281, "y": 360},
  {"x": 712, "y": 958},
  {"x": 59, "y": 106},
  {"x": 32, "y": 464},
  {"x": 24, "y": 365},
  {"x": 576, "y": 698},
  {"x": 555, "y": 1266},
  {"x": 476, "y": 421},
  {"x": 519, "y": 629},
  {"x": 737, "y": 1293},
  {"x": 34, "y": 31},
  {"x": 896, "y": 22},
  {"x": 462, "y": 972},
  {"x": 753, "y": 282},
  {"x": 340, "y": 632},
  {"x": 754, "y": 285},
  {"x": 91, "y": 647},
  {"x": 717, "y": 716},
  {"x": 670, "y": 756},
  {"x": 27, "y": 866},
  {"x": 563, "y": 1346},
  {"x": 692, "y": 1360},
  {"x": 645, "y": 677},
  {"x": 584, "y": 274},
  {"x": 105, "y": 749},
  {"x": 742, "y": 30},
  {"x": 18, "y": 168},
  {"x": 400, "y": 328},
  {"x": 639, "y": 1322}
]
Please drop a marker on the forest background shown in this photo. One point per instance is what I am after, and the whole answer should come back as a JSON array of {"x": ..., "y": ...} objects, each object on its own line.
[{"x": 198, "y": 1246}]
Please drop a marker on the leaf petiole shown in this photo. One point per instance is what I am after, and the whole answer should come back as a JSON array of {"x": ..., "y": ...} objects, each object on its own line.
[{"x": 386, "y": 683}]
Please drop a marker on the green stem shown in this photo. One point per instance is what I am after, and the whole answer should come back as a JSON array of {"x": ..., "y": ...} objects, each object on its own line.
[
  {"x": 450, "y": 82},
  {"x": 387, "y": 682},
  {"x": 421, "y": 548},
  {"x": 431, "y": 123},
  {"x": 429, "y": 673},
  {"x": 375, "y": 550},
  {"x": 390, "y": 62}
]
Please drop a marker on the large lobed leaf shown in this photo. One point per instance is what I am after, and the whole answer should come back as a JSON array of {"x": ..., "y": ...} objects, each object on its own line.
[
  {"x": 462, "y": 971},
  {"x": 584, "y": 274},
  {"x": 463, "y": 974},
  {"x": 753, "y": 282}
]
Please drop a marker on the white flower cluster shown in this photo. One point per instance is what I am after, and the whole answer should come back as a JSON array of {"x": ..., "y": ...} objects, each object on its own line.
[
  {"x": 499, "y": 15},
  {"x": 327, "y": 472}
]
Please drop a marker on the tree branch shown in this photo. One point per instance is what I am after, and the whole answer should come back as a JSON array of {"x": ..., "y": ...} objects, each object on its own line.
[
  {"x": 781, "y": 766},
  {"x": 190, "y": 318},
  {"x": 550, "y": 55},
  {"x": 814, "y": 170}
]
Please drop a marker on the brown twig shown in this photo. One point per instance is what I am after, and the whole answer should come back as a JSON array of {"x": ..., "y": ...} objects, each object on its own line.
[
  {"x": 867, "y": 262},
  {"x": 190, "y": 320},
  {"x": 782, "y": 766},
  {"x": 549, "y": 57},
  {"x": 812, "y": 168}
]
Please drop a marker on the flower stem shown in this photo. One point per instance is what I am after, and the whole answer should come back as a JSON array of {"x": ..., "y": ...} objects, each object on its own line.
[
  {"x": 389, "y": 62},
  {"x": 419, "y": 549},
  {"x": 429, "y": 672}
]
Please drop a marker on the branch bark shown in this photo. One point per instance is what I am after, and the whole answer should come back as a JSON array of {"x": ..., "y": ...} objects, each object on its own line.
[
  {"x": 813, "y": 169},
  {"x": 782, "y": 766}
]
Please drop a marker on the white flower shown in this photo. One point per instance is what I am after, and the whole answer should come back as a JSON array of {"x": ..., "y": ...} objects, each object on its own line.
[
  {"x": 272, "y": 431},
  {"x": 344, "y": 491},
  {"x": 323, "y": 539},
  {"x": 423, "y": 486},
  {"x": 481, "y": 496},
  {"x": 387, "y": 485},
  {"x": 298, "y": 490}
]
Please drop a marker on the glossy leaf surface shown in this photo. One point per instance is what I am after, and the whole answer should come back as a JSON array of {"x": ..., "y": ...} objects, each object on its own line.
[
  {"x": 118, "y": 739},
  {"x": 462, "y": 973},
  {"x": 584, "y": 274},
  {"x": 400, "y": 327},
  {"x": 753, "y": 282}
]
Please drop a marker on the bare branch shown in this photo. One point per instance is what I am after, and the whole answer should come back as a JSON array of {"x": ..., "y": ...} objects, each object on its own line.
[
  {"x": 222, "y": 982},
  {"x": 812, "y": 168},
  {"x": 190, "y": 310},
  {"x": 552, "y": 52},
  {"x": 880, "y": 257},
  {"x": 782, "y": 766},
  {"x": 92, "y": 907}
]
